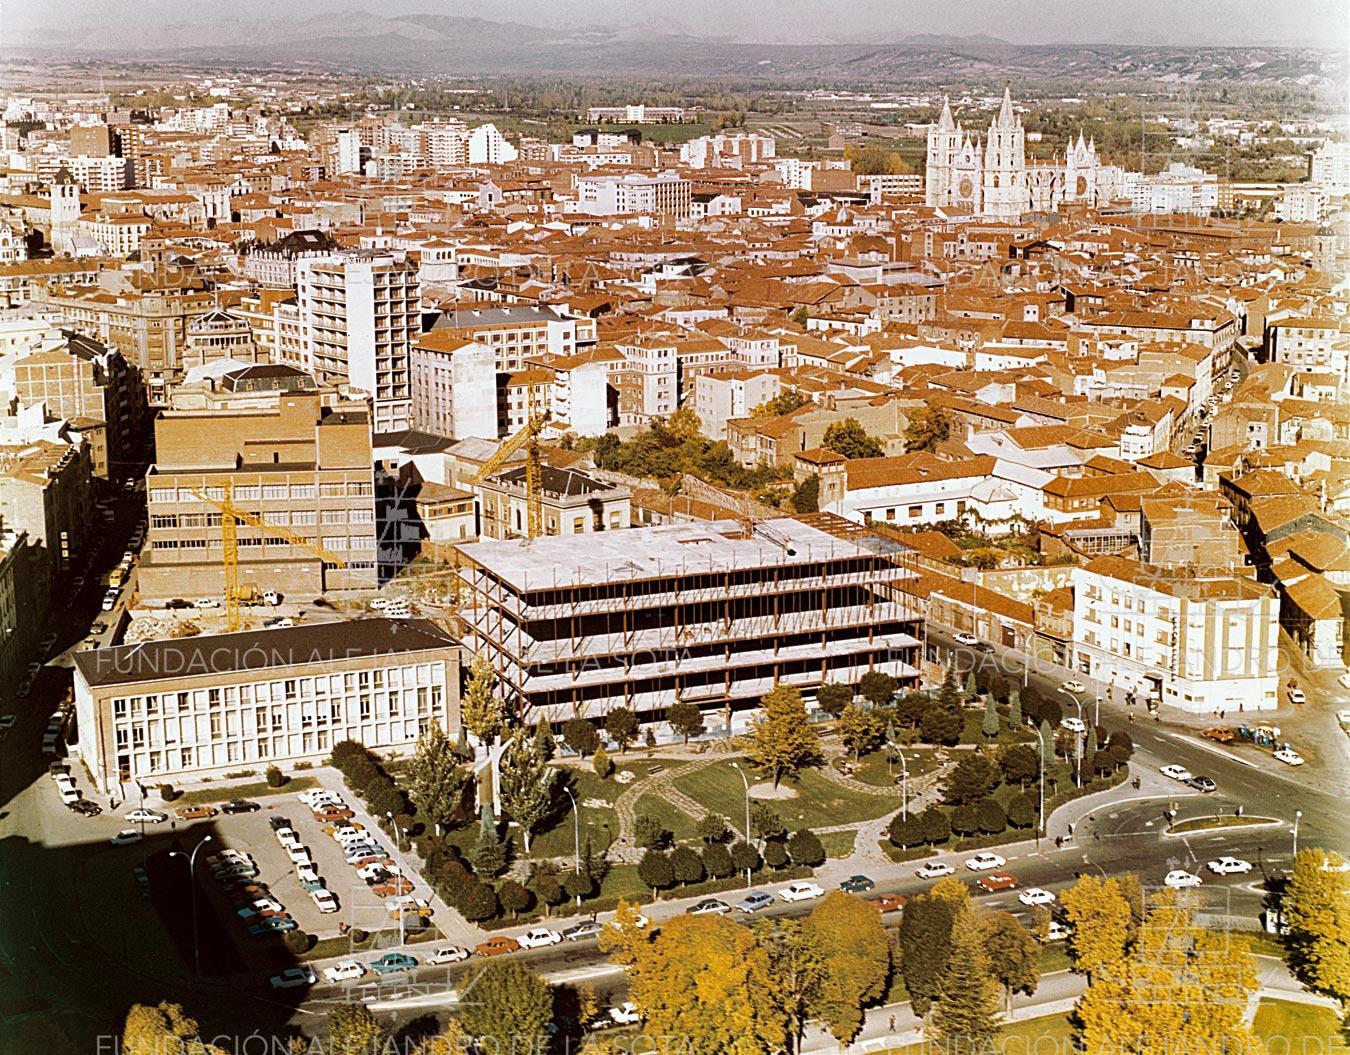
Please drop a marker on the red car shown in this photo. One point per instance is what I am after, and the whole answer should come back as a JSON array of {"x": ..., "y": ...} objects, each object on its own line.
[
  {"x": 497, "y": 945},
  {"x": 997, "y": 881},
  {"x": 393, "y": 887},
  {"x": 890, "y": 902},
  {"x": 333, "y": 813},
  {"x": 196, "y": 813}
]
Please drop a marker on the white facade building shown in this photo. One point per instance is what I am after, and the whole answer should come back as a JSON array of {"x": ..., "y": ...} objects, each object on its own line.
[
  {"x": 1329, "y": 167},
  {"x": 454, "y": 388},
  {"x": 664, "y": 194},
  {"x": 487, "y": 146}
]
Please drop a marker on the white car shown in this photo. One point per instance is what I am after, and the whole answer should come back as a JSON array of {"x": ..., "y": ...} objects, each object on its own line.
[
  {"x": 1344, "y": 681},
  {"x": 969, "y": 640},
  {"x": 324, "y": 900},
  {"x": 448, "y": 954},
  {"x": 1177, "y": 772},
  {"x": 1297, "y": 696},
  {"x": 317, "y": 795},
  {"x": 300, "y": 855},
  {"x": 344, "y": 971},
  {"x": 1036, "y": 896},
  {"x": 626, "y": 1014},
  {"x": 1074, "y": 686},
  {"x": 294, "y": 978},
  {"x": 144, "y": 816},
  {"x": 1289, "y": 756},
  {"x": 983, "y": 862},
  {"x": 408, "y": 902},
  {"x": 1224, "y": 866},
  {"x": 206, "y": 602},
  {"x": 1179, "y": 878},
  {"x": 801, "y": 891},
  {"x": 126, "y": 837},
  {"x": 273, "y": 598},
  {"x": 1342, "y": 716},
  {"x": 109, "y": 601},
  {"x": 934, "y": 870},
  {"x": 539, "y": 938},
  {"x": 70, "y": 795},
  {"x": 1074, "y": 725}
]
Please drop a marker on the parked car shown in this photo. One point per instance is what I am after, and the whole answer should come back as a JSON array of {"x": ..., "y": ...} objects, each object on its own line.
[
  {"x": 997, "y": 881},
  {"x": 625, "y": 1014},
  {"x": 1179, "y": 878},
  {"x": 1176, "y": 772},
  {"x": 279, "y": 623},
  {"x": 580, "y": 931},
  {"x": 1073, "y": 686},
  {"x": 196, "y": 813},
  {"x": 314, "y": 796},
  {"x": 271, "y": 926},
  {"x": 1296, "y": 695},
  {"x": 126, "y": 837},
  {"x": 345, "y": 971},
  {"x": 969, "y": 640},
  {"x": 277, "y": 823},
  {"x": 374, "y": 873},
  {"x": 324, "y": 900},
  {"x": 1057, "y": 931},
  {"x": 1036, "y": 896},
  {"x": 890, "y": 902},
  {"x": 801, "y": 891},
  {"x": 1204, "y": 784},
  {"x": 206, "y": 602},
  {"x": 145, "y": 816},
  {"x": 1229, "y": 866},
  {"x": 538, "y": 938},
  {"x": 710, "y": 906},
  {"x": 934, "y": 870},
  {"x": 1288, "y": 756},
  {"x": 85, "y": 808},
  {"x": 294, "y": 978},
  {"x": 333, "y": 813},
  {"x": 448, "y": 954},
  {"x": 1219, "y": 734},
  {"x": 856, "y": 884},
  {"x": 754, "y": 901},
  {"x": 983, "y": 862},
  {"x": 497, "y": 945}
]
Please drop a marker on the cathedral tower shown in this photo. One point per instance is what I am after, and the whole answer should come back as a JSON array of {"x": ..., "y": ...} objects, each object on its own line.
[
  {"x": 1005, "y": 165},
  {"x": 944, "y": 141},
  {"x": 64, "y": 202}
]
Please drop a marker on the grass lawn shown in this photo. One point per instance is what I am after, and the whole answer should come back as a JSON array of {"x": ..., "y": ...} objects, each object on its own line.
[
  {"x": 1199, "y": 824},
  {"x": 819, "y": 803},
  {"x": 873, "y": 769},
  {"x": 971, "y": 732},
  {"x": 198, "y": 796},
  {"x": 838, "y": 844},
  {"x": 675, "y": 821},
  {"x": 1287, "y": 1026}
]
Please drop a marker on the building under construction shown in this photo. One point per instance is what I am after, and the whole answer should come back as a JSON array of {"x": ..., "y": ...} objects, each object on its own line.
[{"x": 712, "y": 613}]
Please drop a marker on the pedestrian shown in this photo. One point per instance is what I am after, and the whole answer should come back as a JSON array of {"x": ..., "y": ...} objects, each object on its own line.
[{"x": 892, "y": 1025}]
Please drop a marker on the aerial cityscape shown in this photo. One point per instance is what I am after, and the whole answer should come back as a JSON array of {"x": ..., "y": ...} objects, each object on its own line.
[{"x": 751, "y": 528}]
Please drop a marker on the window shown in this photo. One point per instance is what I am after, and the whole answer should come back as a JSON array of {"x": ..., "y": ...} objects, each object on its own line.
[{"x": 915, "y": 511}]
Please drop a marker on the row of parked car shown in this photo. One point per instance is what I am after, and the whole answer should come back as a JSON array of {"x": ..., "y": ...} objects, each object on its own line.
[
  {"x": 255, "y": 906},
  {"x": 305, "y": 870}
]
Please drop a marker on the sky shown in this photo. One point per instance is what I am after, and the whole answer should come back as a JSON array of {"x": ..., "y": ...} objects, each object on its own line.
[{"x": 1174, "y": 22}]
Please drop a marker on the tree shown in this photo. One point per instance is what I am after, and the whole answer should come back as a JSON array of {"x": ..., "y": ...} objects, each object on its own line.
[
  {"x": 1100, "y": 918},
  {"x": 848, "y": 438},
  {"x": 1015, "y": 719},
  {"x": 765, "y": 821},
  {"x": 527, "y": 785},
  {"x": 162, "y": 1030},
  {"x": 805, "y": 848},
  {"x": 649, "y": 833},
  {"x": 581, "y": 736},
  {"x": 965, "y": 1015},
  {"x": 1013, "y": 954},
  {"x": 544, "y": 746},
  {"x": 686, "y": 865},
  {"x": 781, "y": 738},
  {"x": 655, "y": 870},
  {"x": 712, "y": 828},
  {"x": 970, "y": 779},
  {"x": 481, "y": 710},
  {"x": 1021, "y": 811},
  {"x": 878, "y": 687},
  {"x": 940, "y": 725},
  {"x": 834, "y": 697},
  {"x": 873, "y": 160},
  {"x": 796, "y": 971},
  {"x": 925, "y": 935},
  {"x": 622, "y": 726},
  {"x": 275, "y": 777},
  {"x": 905, "y": 831},
  {"x": 504, "y": 1000},
  {"x": 861, "y": 731},
  {"x": 989, "y": 723},
  {"x": 477, "y": 901},
  {"x": 744, "y": 857},
  {"x": 684, "y": 425},
  {"x": 990, "y": 816},
  {"x": 1019, "y": 763},
  {"x": 297, "y": 942},
  {"x": 548, "y": 890},
  {"x": 806, "y": 495},
  {"x": 787, "y": 400},
  {"x": 490, "y": 854},
  {"x": 514, "y": 897},
  {"x": 775, "y": 853},
  {"x": 911, "y": 707},
  {"x": 435, "y": 779},
  {"x": 1047, "y": 736},
  {"x": 685, "y": 719},
  {"x": 1314, "y": 907},
  {"x": 577, "y": 885},
  {"x": 855, "y": 952},
  {"x": 602, "y": 763},
  {"x": 966, "y": 819},
  {"x": 353, "y": 1030},
  {"x": 936, "y": 827},
  {"x": 928, "y": 426},
  {"x": 717, "y": 860}
]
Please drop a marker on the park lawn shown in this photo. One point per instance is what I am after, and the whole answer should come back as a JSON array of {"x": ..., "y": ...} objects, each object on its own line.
[
  {"x": 1199, "y": 824},
  {"x": 838, "y": 844},
  {"x": 675, "y": 821},
  {"x": 201, "y": 796},
  {"x": 820, "y": 803},
  {"x": 972, "y": 733},
  {"x": 873, "y": 769},
  {"x": 1285, "y": 1025}
]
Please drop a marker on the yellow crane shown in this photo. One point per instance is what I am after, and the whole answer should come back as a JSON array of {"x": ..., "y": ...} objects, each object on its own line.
[
  {"x": 231, "y": 516},
  {"x": 528, "y": 438}
]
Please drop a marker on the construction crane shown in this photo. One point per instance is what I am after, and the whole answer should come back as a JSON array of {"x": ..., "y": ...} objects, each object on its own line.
[
  {"x": 231, "y": 516},
  {"x": 527, "y": 438}
]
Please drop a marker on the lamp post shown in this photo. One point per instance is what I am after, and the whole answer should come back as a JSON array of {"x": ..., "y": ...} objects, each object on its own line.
[
  {"x": 576, "y": 819},
  {"x": 191, "y": 859},
  {"x": 904, "y": 782},
  {"x": 1095, "y": 865},
  {"x": 1040, "y": 824},
  {"x": 744, "y": 780},
  {"x": 1077, "y": 740},
  {"x": 1097, "y": 712},
  {"x": 1298, "y": 815},
  {"x": 403, "y": 872}
]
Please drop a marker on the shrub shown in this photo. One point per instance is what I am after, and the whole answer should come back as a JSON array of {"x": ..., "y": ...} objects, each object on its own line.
[
  {"x": 297, "y": 942},
  {"x": 276, "y": 779},
  {"x": 649, "y": 833},
  {"x": 357, "y": 935},
  {"x": 168, "y": 792},
  {"x": 602, "y": 763},
  {"x": 717, "y": 860},
  {"x": 805, "y": 848}
]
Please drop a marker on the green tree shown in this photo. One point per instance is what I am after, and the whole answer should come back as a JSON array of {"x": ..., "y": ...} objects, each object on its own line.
[
  {"x": 1315, "y": 908},
  {"x": 602, "y": 763},
  {"x": 971, "y": 779},
  {"x": 806, "y": 495},
  {"x": 717, "y": 860},
  {"x": 1014, "y": 956},
  {"x": 860, "y": 730},
  {"x": 911, "y": 707},
  {"x": 989, "y": 723},
  {"x": 712, "y": 828},
  {"x": 481, "y": 710},
  {"x": 649, "y": 833},
  {"x": 477, "y": 901},
  {"x": 1019, "y": 764},
  {"x": 990, "y": 816},
  {"x": 796, "y": 971},
  {"x": 578, "y": 885},
  {"x": 527, "y": 784},
  {"x": 878, "y": 687},
  {"x": 806, "y": 848},
  {"x": 855, "y": 952},
  {"x": 656, "y": 872},
  {"x": 435, "y": 779},
  {"x": 514, "y": 897},
  {"x": 490, "y": 854},
  {"x": 622, "y": 726},
  {"x": 905, "y": 832},
  {"x": 936, "y": 827},
  {"x": 353, "y": 1030},
  {"x": 744, "y": 857},
  {"x": 941, "y": 725},
  {"x": 1015, "y": 719},
  {"x": 928, "y": 426},
  {"x": 925, "y": 941},
  {"x": 765, "y": 821},
  {"x": 686, "y": 865},
  {"x": 782, "y": 739},
  {"x": 504, "y": 1002},
  {"x": 685, "y": 719},
  {"x": 544, "y": 746},
  {"x": 1021, "y": 810},
  {"x": 775, "y": 853},
  {"x": 684, "y": 425},
  {"x": 581, "y": 735},
  {"x": 834, "y": 697},
  {"x": 848, "y": 438},
  {"x": 965, "y": 1015}
]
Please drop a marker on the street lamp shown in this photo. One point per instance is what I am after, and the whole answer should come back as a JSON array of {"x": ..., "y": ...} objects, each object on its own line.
[
  {"x": 1077, "y": 740},
  {"x": 746, "y": 782},
  {"x": 904, "y": 782},
  {"x": 1095, "y": 865},
  {"x": 1040, "y": 824},
  {"x": 576, "y": 818},
  {"x": 1097, "y": 713},
  {"x": 403, "y": 874},
  {"x": 1298, "y": 814},
  {"x": 192, "y": 879}
]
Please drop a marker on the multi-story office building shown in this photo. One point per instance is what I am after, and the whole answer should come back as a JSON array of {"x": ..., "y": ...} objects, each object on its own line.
[
  {"x": 712, "y": 613},
  {"x": 298, "y": 465},
  {"x": 45, "y": 492},
  {"x": 518, "y": 332},
  {"x": 665, "y": 194},
  {"x": 454, "y": 386},
  {"x": 1192, "y": 639},
  {"x": 359, "y": 315},
  {"x": 184, "y": 709}
]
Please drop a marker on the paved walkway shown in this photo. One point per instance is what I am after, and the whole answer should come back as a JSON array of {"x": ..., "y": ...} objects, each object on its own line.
[{"x": 624, "y": 849}]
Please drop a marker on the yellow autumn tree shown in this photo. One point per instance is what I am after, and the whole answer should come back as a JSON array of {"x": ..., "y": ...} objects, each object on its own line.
[
  {"x": 855, "y": 951},
  {"x": 1100, "y": 917},
  {"x": 163, "y": 1030}
]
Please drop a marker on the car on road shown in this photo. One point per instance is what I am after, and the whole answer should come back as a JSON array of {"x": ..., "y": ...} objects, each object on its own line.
[
  {"x": 710, "y": 906},
  {"x": 196, "y": 813},
  {"x": 281, "y": 622},
  {"x": 497, "y": 945},
  {"x": 890, "y": 902},
  {"x": 1288, "y": 756},
  {"x": 1205, "y": 784},
  {"x": 294, "y": 978},
  {"x": 344, "y": 971},
  {"x": 984, "y": 862},
  {"x": 448, "y": 954},
  {"x": 206, "y": 602},
  {"x": 1074, "y": 725},
  {"x": 1226, "y": 866},
  {"x": 85, "y": 808},
  {"x": 393, "y": 962},
  {"x": 240, "y": 806},
  {"x": 1073, "y": 686},
  {"x": 996, "y": 881},
  {"x": 801, "y": 891},
  {"x": 754, "y": 901},
  {"x": 969, "y": 640},
  {"x": 581, "y": 931},
  {"x": 856, "y": 884},
  {"x": 539, "y": 938},
  {"x": 625, "y": 1014},
  {"x": 141, "y": 815},
  {"x": 1036, "y": 896},
  {"x": 1178, "y": 878},
  {"x": 1296, "y": 695},
  {"x": 1219, "y": 734},
  {"x": 109, "y": 600},
  {"x": 1176, "y": 772},
  {"x": 126, "y": 837},
  {"x": 934, "y": 870}
]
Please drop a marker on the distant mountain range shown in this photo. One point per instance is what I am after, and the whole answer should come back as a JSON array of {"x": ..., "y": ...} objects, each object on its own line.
[{"x": 357, "y": 40}]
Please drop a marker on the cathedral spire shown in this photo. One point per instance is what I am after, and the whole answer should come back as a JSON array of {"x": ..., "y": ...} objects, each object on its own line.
[
  {"x": 945, "y": 122},
  {"x": 1005, "y": 112}
]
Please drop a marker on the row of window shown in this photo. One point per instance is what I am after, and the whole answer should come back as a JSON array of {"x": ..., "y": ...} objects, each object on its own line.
[{"x": 265, "y": 492}]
